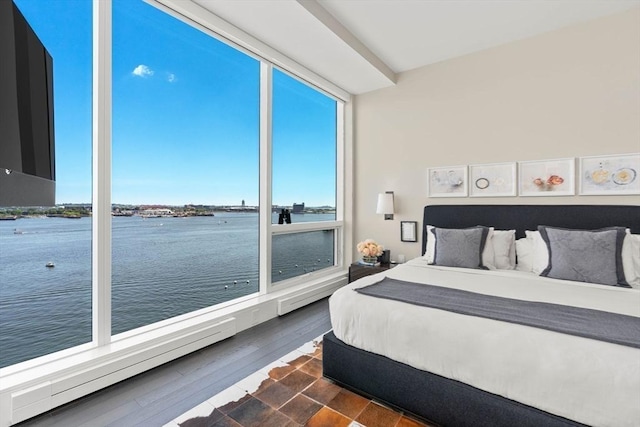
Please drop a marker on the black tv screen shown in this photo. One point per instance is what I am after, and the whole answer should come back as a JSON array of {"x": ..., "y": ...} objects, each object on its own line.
[{"x": 27, "y": 148}]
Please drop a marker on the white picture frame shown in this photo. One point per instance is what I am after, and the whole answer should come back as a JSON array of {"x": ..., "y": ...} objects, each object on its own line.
[
  {"x": 609, "y": 175},
  {"x": 448, "y": 181},
  {"x": 544, "y": 178},
  {"x": 493, "y": 180}
]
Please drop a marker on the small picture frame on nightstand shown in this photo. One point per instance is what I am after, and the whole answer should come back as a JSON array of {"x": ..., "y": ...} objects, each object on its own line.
[{"x": 409, "y": 231}]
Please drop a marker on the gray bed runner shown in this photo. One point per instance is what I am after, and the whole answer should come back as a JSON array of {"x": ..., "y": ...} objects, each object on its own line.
[{"x": 595, "y": 324}]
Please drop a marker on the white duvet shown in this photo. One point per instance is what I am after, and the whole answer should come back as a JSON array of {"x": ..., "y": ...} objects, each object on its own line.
[{"x": 586, "y": 380}]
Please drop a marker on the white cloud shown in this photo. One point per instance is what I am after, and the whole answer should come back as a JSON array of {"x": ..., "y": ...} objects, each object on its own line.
[
  {"x": 142, "y": 71},
  {"x": 171, "y": 77}
]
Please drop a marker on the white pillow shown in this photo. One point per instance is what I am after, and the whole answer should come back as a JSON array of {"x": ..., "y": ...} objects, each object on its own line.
[
  {"x": 631, "y": 259},
  {"x": 512, "y": 251},
  {"x": 487, "y": 252},
  {"x": 540, "y": 252},
  {"x": 504, "y": 249},
  {"x": 524, "y": 251},
  {"x": 430, "y": 251}
]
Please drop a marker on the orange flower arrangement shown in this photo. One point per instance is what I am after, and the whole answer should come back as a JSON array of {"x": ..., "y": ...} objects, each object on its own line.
[{"x": 369, "y": 248}]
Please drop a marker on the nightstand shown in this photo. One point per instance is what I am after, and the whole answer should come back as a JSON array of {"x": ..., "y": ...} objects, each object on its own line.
[{"x": 357, "y": 270}]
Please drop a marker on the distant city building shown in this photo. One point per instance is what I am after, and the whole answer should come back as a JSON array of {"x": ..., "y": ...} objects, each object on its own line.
[
  {"x": 298, "y": 208},
  {"x": 243, "y": 203}
]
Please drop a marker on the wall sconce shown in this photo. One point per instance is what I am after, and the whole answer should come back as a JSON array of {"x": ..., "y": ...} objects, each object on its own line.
[{"x": 385, "y": 204}]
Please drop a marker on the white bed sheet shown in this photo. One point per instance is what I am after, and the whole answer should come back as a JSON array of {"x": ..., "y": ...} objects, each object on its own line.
[{"x": 586, "y": 380}]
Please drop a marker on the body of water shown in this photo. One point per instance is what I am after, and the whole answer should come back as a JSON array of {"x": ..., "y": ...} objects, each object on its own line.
[{"x": 161, "y": 268}]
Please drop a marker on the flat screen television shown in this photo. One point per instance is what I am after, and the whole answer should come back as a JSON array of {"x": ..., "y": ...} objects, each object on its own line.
[{"x": 27, "y": 143}]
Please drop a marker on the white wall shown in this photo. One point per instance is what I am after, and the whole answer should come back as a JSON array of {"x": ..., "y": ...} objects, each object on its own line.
[{"x": 568, "y": 93}]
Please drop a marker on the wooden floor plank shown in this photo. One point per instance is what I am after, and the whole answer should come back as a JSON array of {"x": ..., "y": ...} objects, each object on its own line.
[{"x": 155, "y": 397}]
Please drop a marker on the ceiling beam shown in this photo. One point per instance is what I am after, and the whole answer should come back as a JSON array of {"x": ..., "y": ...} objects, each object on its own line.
[{"x": 329, "y": 21}]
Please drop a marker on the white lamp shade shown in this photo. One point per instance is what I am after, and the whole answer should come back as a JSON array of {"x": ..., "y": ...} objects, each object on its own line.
[{"x": 385, "y": 203}]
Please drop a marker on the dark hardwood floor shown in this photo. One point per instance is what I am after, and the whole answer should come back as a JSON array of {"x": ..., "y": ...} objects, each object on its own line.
[{"x": 156, "y": 397}]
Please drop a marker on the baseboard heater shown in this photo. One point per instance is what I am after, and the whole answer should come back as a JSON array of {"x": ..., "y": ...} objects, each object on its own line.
[
  {"x": 51, "y": 394},
  {"x": 286, "y": 305}
]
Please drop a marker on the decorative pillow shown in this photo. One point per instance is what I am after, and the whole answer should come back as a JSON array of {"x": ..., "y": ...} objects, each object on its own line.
[
  {"x": 540, "y": 253},
  {"x": 487, "y": 253},
  {"x": 460, "y": 247},
  {"x": 431, "y": 245},
  {"x": 524, "y": 253},
  {"x": 504, "y": 249},
  {"x": 593, "y": 256},
  {"x": 512, "y": 251},
  {"x": 631, "y": 259}
]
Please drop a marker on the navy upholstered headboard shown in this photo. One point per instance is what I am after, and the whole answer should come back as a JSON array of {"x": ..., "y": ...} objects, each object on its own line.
[{"x": 528, "y": 217}]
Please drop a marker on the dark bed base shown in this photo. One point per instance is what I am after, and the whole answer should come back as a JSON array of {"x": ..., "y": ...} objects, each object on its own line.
[{"x": 426, "y": 395}]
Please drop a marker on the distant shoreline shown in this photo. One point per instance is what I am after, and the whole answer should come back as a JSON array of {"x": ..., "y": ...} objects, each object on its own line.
[{"x": 75, "y": 211}]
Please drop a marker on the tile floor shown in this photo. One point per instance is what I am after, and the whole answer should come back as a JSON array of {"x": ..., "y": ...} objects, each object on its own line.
[{"x": 291, "y": 392}]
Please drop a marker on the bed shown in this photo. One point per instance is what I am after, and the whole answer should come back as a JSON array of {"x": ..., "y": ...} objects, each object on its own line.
[{"x": 458, "y": 370}]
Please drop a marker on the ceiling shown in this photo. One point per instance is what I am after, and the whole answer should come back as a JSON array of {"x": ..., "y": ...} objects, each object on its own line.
[{"x": 361, "y": 45}]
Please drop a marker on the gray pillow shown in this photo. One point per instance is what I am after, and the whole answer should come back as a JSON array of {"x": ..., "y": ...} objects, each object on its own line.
[
  {"x": 460, "y": 247},
  {"x": 593, "y": 256}
]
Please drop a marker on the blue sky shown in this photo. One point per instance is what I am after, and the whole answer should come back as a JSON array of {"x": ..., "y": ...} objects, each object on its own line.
[{"x": 185, "y": 114}]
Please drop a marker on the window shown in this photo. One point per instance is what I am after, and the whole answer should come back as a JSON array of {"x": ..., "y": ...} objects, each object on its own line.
[
  {"x": 302, "y": 253},
  {"x": 304, "y": 151},
  {"x": 44, "y": 309},
  {"x": 304, "y": 179},
  {"x": 185, "y": 168}
]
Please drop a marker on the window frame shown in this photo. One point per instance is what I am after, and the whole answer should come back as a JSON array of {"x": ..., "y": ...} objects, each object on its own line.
[
  {"x": 111, "y": 358},
  {"x": 102, "y": 146},
  {"x": 303, "y": 227},
  {"x": 336, "y": 225}
]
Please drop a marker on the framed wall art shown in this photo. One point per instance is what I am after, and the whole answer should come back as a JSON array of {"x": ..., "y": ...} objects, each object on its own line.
[
  {"x": 408, "y": 231},
  {"x": 609, "y": 175},
  {"x": 450, "y": 181},
  {"x": 492, "y": 180},
  {"x": 555, "y": 177}
]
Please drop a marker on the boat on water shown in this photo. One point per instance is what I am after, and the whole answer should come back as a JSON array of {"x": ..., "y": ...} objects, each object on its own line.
[
  {"x": 8, "y": 217},
  {"x": 50, "y": 264},
  {"x": 18, "y": 231},
  {"x": 67, "y": 216}
]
